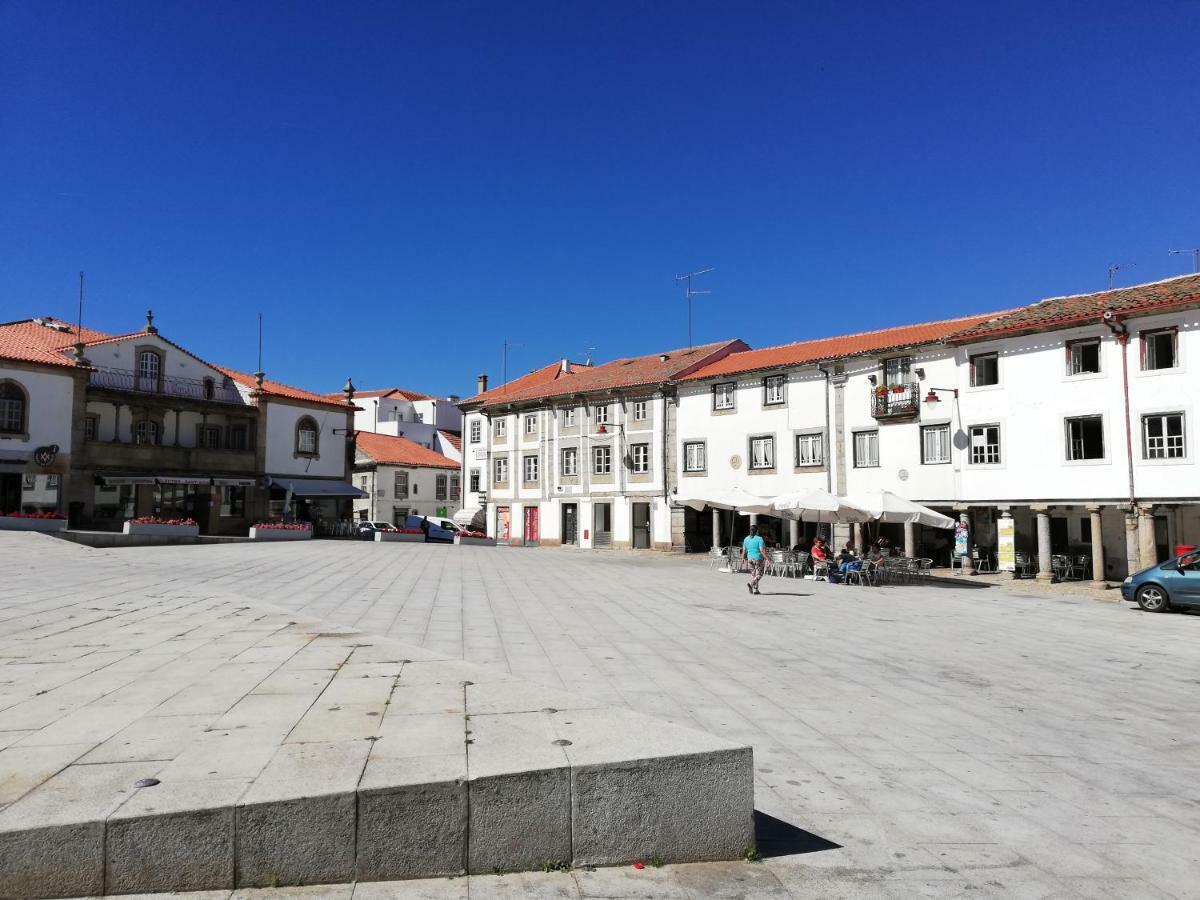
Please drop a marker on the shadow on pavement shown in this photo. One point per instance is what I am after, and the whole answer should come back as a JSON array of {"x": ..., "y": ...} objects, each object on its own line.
[{"x": 776, "y": 837}]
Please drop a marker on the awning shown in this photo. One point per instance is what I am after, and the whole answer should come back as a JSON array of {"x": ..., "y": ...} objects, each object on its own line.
[
  {"x": 316, "y": 487},
  {"x": 235, "y": 482},
  {"x": 184, "y": 479},
  {"x": 14, "y": 458},
  {"x": 125, "y": 479}
]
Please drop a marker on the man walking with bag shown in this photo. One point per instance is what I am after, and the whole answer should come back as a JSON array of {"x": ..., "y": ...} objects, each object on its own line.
[{"x": 756, "y": 555}]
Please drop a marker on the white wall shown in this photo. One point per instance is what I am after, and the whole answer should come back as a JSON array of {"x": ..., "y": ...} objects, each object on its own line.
[
  {"x": 422, "y": 492},
  {"x": 281, "y": 458},
  {"x": 49, "y": 415}
]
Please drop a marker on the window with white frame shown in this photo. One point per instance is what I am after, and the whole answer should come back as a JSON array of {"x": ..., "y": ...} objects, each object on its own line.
[
  {"x": 418, "y": 417},
  {"x": 569, "y": 418},
  {"x": 208, "y": 437},
  {"x": 1083, "y": 357},
  {"x": 531, "y": 424},
  {"x": 985, "y": 445},
  {"x": 866, "y": 449},
  {"x": 600, "y": 414},
  {"x": 810, "y": 449},
  {"x": 475, "y": 431},
  {"x": 639, "y": 410},
  {"x": 474, "y": 481},
  {"x": 1162, "y": 436},
  {"x": 530, "y": 471},
  {"x": 935, "y": 444},
  {"x": 306, "y": 436},
  {"x": 14, "y": 407},
  {"x": 723, "y": 395},
  {"x": 1160, "y": 349},
  {"x": 1085, "y": 437},
  {"x": 400, "y": 485},
  {"x": 500, "y": 472},
  {"x": 601, "y": 460},
  {"x": 985, "y": 369},
  {"x": 694, "y": 456},
  {"x": 455, "y": 486},
  {"x": 146, "y": 432},
  {"x": 762, "y": 453},
  {"x": 570, "y": 461},
  {"x": 362, "y": 482},
  {"x": 773, "y": 389},
  {"x": 640, "y": 457},
  {"x": 500, "y": 428},
  {"x": 149, "y": 369}
]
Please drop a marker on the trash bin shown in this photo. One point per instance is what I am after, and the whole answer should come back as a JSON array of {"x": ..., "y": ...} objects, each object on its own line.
[{"x": 1181, "y": 549}]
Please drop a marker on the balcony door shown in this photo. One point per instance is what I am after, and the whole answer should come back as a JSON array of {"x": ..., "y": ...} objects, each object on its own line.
[{"x": 897, "y": 370}]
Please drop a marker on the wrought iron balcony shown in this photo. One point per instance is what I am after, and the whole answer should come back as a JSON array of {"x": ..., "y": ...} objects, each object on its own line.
[
  {"x": 890, "y": 403},
  {"x": 205, "y": 390}
]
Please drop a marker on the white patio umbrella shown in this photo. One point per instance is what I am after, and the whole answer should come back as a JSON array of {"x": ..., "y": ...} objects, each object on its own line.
[
  {"x": 734, "y": 499},
  {"x": 885, "y": 506},
  {"x": 818, "y": 506}
]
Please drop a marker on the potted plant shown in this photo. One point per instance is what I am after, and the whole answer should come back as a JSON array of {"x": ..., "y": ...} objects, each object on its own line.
[
  {"x": 34, "y": 521},
  {"x": 280, "y": 531},
  {"x": 898, "y": 389},
  {"x": 400, "y": 536},
  {"x": 474, "y": 539},
  {"x": 164, "y": 527},
  {"x": 881, "y": 391}
]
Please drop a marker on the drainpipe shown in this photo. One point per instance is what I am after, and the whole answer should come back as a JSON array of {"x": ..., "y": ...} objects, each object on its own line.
[{"x": 1114, "y": 324}]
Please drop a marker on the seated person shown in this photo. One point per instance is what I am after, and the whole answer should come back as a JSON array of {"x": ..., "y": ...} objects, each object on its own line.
[
  {"x": 875, "y": 554},
  {"x": 846, "y": 553},
  {"x": 847, "y": 561},
  {"x": 820, "y": 555}
]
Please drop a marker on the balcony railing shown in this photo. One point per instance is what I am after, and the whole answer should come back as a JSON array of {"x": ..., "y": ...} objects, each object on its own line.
[
  {"x": 202, "y": 389},
  {"x": 893, "y": 404}
]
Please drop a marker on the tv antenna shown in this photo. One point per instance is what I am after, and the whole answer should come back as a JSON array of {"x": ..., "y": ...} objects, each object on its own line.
[
  {"x": 1195, "y": 257},
  {"x": 1113, "y": 269},
  {"x": 504, "y": 363},
  {"x": 690, "y": 294},
  {"x": 587, "y": 352}
]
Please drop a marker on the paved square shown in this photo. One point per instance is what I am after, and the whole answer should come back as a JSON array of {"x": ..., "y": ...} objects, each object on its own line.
[{"x": 909, "y": 741}]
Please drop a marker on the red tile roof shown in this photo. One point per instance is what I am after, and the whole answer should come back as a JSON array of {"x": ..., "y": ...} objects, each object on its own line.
[
  {"x": 453, "y": 438},
  {"x": 543, "y": 376},
  {"x": 28, "y": 341},
  {"x": 279, "y": 389},
  {"x": 802, "y": 352},
  {"x": 1063, "y": 312},
  {"x": 384, "y": 392},
  {"x": 634, "y": 371},
  {"x": 397, "y": 451}
]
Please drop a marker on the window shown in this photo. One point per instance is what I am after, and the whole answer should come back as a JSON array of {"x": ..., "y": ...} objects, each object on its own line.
[
  {"x": 233, "y": 500},
  {"x": 530, "y": 469},
  {"x": 935, "y": 444},
  {"x": 773, "y": 389},
  {"x": 810, "y": 450},
  {"x": 500, "y": 428},
  {"x": 90, "y": 426},
  {"x": 209, "y": 388},
  {"x": 362, "y": 482},
  {"x": 601, "y": 414},
  {"x": 306, "y": 436},
  {"x": 866, "y": 449},
  {"x": 1162, "y": 436},
  {"x": 723, "y": 394},
  {"x": 400, "y": 485},
  {"x": 531, "y": 424},
  {"x": 475, "y": 431},
  {"x": 1083, "y": 357},
  {"x": 145, "y": 432},
  {"x": 28, "y": 482},
  {"x": 569, "y": 418},
  {"x": 570, "y": 461},
  {"x": 1085, "y": 530},
  {"x": 639, "y": 411},
  {"x": 439, "y": 487},
  {"x": 51, "y": 482},
  {"x": 239, "y": 437},
  {"x": 640, "y": 457},
  {"x": 208, "y": 437},
  {"x": 501, "y": 472},
  {"x": 762, "y": 453},
  {"x": 896, "y": 370},
  {"x": 1158, "y": 349},
  {"x": 13, "y": 407},
  {"x": 455, "y": 486},
  {"x": 1085, "y": 437},
  {"x": 694, "y": 456},
  {"x": 418, "y": 417},
  {"x": 149, "y": 369},
  {"x": 985, "y": 445},
  {"x": 602, "y": 460},
  {"x": 985, "y": 370},
  {"x": 474, "y": 481}
]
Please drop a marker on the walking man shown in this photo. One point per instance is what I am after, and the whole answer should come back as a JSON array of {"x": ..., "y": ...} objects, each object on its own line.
[{"x": 756, "y": 556}]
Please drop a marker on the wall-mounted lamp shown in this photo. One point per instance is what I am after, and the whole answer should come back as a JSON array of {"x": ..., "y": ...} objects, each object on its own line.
[
  {"x": 872, "y": 379},
  {"x": 932, "y": 396},
  {"x": 920, "y": 373}
]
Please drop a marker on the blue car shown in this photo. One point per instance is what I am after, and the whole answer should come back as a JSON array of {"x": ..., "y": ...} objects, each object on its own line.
[{"x": 1174, "y": 584}]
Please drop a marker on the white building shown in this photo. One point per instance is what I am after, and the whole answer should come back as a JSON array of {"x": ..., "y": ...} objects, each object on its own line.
[
  {"x": 401, "y": 478},
  {"x": 433, "y": 422}
]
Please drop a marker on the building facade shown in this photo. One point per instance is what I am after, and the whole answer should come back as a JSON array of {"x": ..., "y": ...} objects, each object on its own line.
[
  {"x": 401, "y": 478},
  {"x": 433, "y": 422}
]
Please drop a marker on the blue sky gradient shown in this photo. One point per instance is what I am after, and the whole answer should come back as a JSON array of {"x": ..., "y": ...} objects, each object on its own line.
[{"x": 399, "y": 187}]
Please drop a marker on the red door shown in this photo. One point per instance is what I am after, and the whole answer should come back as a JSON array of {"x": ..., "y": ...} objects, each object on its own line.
[{"x": 531, "y": 525}]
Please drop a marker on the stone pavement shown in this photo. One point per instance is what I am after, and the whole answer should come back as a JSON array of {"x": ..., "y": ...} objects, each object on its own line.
[{"x": 909, "y": 741}]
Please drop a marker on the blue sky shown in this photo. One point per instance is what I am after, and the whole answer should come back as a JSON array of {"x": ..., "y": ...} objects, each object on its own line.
[{"x": 399, "y": 187}]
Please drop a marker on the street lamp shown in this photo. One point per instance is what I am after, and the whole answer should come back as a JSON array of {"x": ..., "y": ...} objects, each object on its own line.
[{"x": 932, "y": 396}]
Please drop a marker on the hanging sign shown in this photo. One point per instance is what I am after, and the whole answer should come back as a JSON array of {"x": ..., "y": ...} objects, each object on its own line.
[
  {"x": 44, "y": 456},
  {"x": 960, "y": 538},
  {"x": 1006, "y": 551}
]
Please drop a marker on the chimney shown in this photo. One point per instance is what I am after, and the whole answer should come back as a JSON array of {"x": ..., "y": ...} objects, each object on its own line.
[
  {"x": 565, "y": 366},
  {"x": 482, "y": 384}
]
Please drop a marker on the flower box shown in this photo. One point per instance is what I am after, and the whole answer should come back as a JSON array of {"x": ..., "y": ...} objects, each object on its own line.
[
  {"x": 264, "y": 533},
  {"x": 399, "y": 537},
  {"x": 45, "y": 524},
  {"x": 466, "y": 541},
  {"x": 132, "y": 527}
]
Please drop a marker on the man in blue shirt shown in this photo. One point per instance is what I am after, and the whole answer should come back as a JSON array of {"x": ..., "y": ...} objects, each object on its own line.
[{"x": 756, "y": 554}]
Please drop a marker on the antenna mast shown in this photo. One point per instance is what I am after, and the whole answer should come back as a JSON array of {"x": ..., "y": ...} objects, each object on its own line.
[
  {"x": 689, "y": 294},
  {"x": 79, "y": 322},
  {"x": 1113, "y": 269},
  {"x": 504, "y": 364},
  {"x": 1195, "y": 257}
]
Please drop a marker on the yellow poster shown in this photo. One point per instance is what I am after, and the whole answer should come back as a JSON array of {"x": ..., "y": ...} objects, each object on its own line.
[{"x": 1007, "y": 550}]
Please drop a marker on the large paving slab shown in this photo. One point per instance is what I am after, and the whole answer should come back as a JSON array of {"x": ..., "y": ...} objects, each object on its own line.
[{"x": 173, "y": 737}]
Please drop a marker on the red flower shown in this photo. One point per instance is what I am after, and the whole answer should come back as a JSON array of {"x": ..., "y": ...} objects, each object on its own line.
[
  {"x": 158, "y": 520},
  {"x": 33, "y": 515}
]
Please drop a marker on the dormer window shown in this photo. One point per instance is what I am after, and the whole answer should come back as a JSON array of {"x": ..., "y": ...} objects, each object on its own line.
[{"x": 149, "y": 370}]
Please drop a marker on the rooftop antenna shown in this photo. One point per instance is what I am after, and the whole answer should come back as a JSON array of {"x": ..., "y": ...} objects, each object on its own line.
[
  {"x": 504, "y": 364},
  {"x": 259, "y": 375},
  {"x": 1113, "y": 269},
  {"x": 1195, "y": 257},
  {"x": 588, "y": 351},
  {"x": 79, "y": 322},
  {"x": 690, "y": 294}
]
